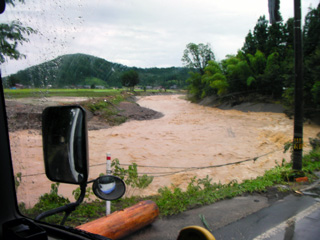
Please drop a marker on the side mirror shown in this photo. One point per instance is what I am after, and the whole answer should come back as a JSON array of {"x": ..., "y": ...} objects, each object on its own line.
[
  {"x": 109, "y": 187},
  {"x": 65, "y": 144}
]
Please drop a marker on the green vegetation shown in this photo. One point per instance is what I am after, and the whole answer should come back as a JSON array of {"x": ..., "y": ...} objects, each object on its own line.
[
  {"x": 130, "y": 79},
  {"x": 95, "y": 83},
  {"x": 37, "y": 93},
  {"x": 197, "y": 56},
  {"x": 106, "y": 108},
  {"x": 12, "y": 35},
  {"x": 130, "y": 177},
  {"x": 90, "y": 93},
  {"x": 46, "y": 202},
  {"x": 263, "y": 67},
  {"x": 79, "y": 70}
]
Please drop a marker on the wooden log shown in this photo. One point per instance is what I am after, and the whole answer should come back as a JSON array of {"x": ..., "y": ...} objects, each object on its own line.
[{"x": 122, "y": 223}]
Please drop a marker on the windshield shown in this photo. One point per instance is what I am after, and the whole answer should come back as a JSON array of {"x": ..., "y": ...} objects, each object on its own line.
[{"x": 150, "y": 75}]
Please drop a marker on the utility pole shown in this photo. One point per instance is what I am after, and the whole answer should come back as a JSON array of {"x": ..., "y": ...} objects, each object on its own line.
[{"x": 298, "y": 96}]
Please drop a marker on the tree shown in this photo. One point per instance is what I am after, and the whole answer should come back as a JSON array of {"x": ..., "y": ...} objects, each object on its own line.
[
  {"x": 311, "y": 31},
  {"x": 257, "y": 63},
  {"x": 130, "y": 79},
  {"x": 11, "y": 35},
  {"x": 311, "y": 47},
  {"x": 12, "y": 81},
  {"x": 213, "y": 80},
  {"x": 258, "y": 39},
  {"x": 265, "y": 64},
  {"x": 260, "y": 32},
  {"x": 195, "y": 86},
  {"x": 272, "y": 83},
  {"x": 313, "y": 63},
  {"x": 238, "y": 73},
  {"x": 276, "y": 39},
  {"x": 197, "y": 56},
  {"x": 288, "y": 31},
  {"x": 249, "y": 46}
]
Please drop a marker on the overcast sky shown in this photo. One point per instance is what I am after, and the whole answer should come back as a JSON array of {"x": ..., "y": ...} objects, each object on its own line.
[{"x": 141, "y": 33}]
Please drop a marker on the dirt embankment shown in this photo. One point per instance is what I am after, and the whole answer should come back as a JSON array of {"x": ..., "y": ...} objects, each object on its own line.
[
  {"x": 250, "y": 103},
  {"x": 27, "y": 114}
]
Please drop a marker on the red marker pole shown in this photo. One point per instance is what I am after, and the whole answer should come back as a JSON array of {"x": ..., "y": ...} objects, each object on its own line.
[
  {"x": 108, "y": 203},
  {"x": 109, "y": 171}
]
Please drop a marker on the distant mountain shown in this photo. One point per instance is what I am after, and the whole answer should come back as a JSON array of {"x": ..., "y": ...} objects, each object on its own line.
[{"x": 81, "y": 69}]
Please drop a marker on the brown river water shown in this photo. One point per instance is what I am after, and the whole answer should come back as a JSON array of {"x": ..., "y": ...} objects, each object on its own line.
[{"x": 188, "y": 136}]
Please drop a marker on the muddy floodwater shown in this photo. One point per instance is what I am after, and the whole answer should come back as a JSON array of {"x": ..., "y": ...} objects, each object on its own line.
[{"x": 171, "y": 148}]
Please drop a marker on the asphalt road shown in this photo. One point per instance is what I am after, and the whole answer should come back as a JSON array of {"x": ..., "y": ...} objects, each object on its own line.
[
  {"x": 286, "y": 219},
  {"x": 250, "y": 217}
]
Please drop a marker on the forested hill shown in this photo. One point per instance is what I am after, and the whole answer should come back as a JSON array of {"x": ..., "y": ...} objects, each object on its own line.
[{"x": 81, "y": 69}]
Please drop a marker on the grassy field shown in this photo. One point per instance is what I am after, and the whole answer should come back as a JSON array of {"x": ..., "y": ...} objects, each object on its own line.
[{"x": 37, "y": 93}]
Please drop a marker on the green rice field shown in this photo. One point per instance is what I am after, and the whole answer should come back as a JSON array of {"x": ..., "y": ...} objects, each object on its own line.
[{"x": 27, "y": 93}]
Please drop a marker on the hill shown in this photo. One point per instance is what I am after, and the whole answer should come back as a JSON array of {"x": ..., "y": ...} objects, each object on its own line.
[{"x": 74, "y": 70}]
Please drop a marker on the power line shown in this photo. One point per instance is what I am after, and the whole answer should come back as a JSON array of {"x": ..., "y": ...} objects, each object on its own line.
[
  {"x": 149, "y": 166},
  {"x": 184, "y": 169},
  {"x": 216, "y": 166},
  {"x": 32, "y": 175}
]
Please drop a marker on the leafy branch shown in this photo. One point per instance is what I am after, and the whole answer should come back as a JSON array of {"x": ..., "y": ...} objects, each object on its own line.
[
  {"x": 130, "y": 176},
  {"x": 11, "y": 35}
]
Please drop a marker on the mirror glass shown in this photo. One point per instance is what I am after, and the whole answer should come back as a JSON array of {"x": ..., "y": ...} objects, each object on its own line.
[
  {"x": 64, "y": 136},
  {"x": 109, "y": 187}
]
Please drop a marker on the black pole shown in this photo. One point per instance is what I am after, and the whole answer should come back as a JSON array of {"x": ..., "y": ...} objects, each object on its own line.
[{"x": 298, "y": 98}]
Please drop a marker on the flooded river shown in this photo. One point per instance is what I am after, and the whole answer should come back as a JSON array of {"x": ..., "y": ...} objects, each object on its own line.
[{"x": 187, "y": 136}]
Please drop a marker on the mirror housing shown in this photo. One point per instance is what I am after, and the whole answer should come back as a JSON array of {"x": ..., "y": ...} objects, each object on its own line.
[
  {"x": 109, "y": 187},
  {"x": 65, "y": 144}
]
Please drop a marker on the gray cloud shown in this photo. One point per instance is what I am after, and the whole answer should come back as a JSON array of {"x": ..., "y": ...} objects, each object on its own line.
[{"x": 137, "y": 32}]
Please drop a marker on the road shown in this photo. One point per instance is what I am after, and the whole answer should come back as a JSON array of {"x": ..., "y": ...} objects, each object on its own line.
[
  {"x": 247, "y": 217},
  {"x": 292, "y": 218}
]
